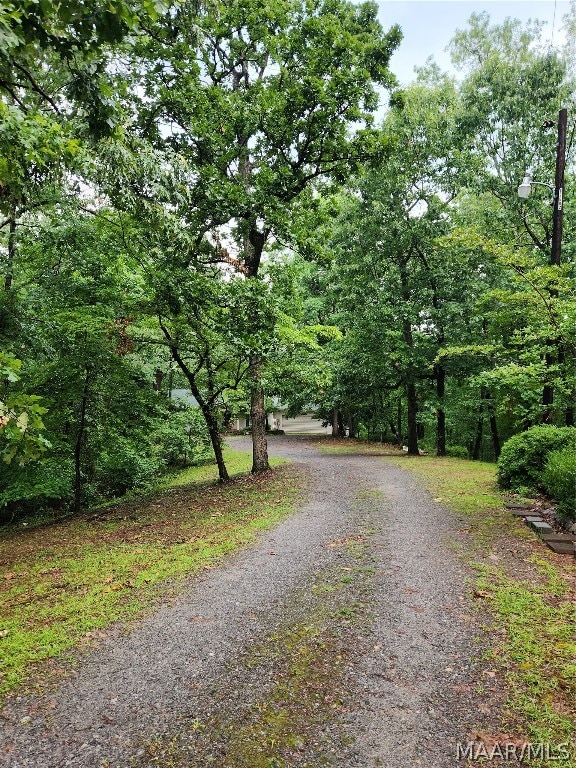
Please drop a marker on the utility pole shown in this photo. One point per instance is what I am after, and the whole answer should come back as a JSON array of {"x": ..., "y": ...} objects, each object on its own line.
[
  {"x": 557, "y": 221},
  {"x": 559, "y": 189}
]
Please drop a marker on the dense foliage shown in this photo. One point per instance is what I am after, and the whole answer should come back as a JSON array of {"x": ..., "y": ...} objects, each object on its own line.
[
  {"x": 559, "y": 481},
  {"x": 524, "y": 456},
  {"x": 198, "y": 197}
]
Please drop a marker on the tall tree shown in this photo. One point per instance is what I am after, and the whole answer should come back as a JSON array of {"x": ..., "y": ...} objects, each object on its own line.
[
  {"x": 261, "y": 99},
  {"x": 513, "y": 91}
]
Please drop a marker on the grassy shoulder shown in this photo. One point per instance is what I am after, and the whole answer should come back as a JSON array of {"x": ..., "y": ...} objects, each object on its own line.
[
  {"x": 62, "y": 584},
  {"x": 531, "y": 595}
]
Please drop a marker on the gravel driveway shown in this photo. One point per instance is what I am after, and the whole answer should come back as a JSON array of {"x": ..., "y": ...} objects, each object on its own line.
[{"x": 361, "y": 589}]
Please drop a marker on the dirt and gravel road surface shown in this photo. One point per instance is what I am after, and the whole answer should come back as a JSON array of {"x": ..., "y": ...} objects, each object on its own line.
[{"x": 344, "y": 638}]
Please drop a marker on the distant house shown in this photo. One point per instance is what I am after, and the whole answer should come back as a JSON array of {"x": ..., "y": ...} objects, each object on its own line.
[
  {"x": 184, "y": 396},
  {"x": 304, "y": 424}
]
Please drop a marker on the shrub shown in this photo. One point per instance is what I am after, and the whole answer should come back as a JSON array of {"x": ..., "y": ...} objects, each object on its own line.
[
  {"x": 184, "y": 439},
  {"x": 559, "y": 480},
  {"x": 524, "y": 456},
  {"x": 123, "y": 465},
  {"x": 457, "y": 452},
  {"x": 38, "y": 484}
]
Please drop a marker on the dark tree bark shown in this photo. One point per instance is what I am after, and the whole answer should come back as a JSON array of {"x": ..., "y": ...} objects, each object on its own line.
[
  {"x": 253, "y": 248},
  {"x": 440, "y": 412},
  {"x": 412, "y": 407},
  {"x": 351, "y": 423},
  {"x": 555, "y": 257},
  {"x": 493, "y": 423},
  {"x": 335, "y": 422},
  {"x": 495, "y": 436},
  {"x": 411, "y": 397},
  {"x": 258, "y": 417},
  {"x": 548, "y": 390},
  {"x": 206, "y": 405},
  {"x": 11, "y": 253},
  {"x": 78, "y": 443},
  {"x": 478, "y": 438},
  {"x": 158, "y": 379},
  {"x": 439, "y": 371},
  {"x": 569, "y": 419}
]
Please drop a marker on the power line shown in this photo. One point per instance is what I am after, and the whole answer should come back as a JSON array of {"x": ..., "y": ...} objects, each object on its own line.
[{"x": 553, "y": 25}]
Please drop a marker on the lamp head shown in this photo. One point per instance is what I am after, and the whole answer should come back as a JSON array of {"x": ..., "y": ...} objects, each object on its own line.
[{"x": 525, "y": 188}]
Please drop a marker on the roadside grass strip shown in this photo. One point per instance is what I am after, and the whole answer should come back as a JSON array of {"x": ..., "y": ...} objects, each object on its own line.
[
  {"x": 531, "y": 596},
  {"x": 61, "y": 585}
]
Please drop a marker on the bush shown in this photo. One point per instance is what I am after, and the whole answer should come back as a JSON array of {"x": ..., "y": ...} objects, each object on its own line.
[
  {"x": 183, "y": 438},
  {"x": 523, "y": 457},
  {"x": 123, "y": 465},
  {"x": 38, "y": 484},
  {"x": 559, "y": 480},
  {"x": 457, "y": 452}
]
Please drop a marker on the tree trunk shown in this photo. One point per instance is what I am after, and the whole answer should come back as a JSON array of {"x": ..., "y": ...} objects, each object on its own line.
[
  {"x": 158, "y": 379},
  {"x": 258, "y": 417},
  {"x": 399, "y": 436},
  {"x": 569, "y": 410},
  {"x": 478, "y": 438},
  {"x": 412, "y": 405},
  {"x": 207, "y": 410},
  {"x": 78, "y": 443},
  {"x": 11, "y": 253},
  {"x": 555, "y": 260},
  {"x": 411, "y": 398},
  {"x": 351, "y": 425},
  {"x": 440, "y": 413},
  {"x": 253, "y": 248},
  {"x": 335, "y": 422},
  {"x": 216, "y": 441},
  {"x": 493, "y": 425},
  {"x": 495, "y": 436}
]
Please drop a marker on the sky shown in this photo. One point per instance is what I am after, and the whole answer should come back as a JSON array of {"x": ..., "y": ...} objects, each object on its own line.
[{"x": 428, "y": 25}]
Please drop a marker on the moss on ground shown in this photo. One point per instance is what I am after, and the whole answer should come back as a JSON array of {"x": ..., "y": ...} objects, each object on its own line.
[{"x": 292, "y": 685}]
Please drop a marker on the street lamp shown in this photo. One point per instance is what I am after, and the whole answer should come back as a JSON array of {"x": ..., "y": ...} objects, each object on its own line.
[
  {"x": 558, "y": 191},
  {"x": 526, "y": 187}
]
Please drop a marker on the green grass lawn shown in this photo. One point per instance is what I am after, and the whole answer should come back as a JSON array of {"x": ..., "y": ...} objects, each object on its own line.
[
  {"x": 237, "y": 463},
  {"x": 62, "y": 584}
]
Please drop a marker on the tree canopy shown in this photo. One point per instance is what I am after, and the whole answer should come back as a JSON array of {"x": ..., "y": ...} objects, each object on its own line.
[{"x": 236, "y": 200}]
